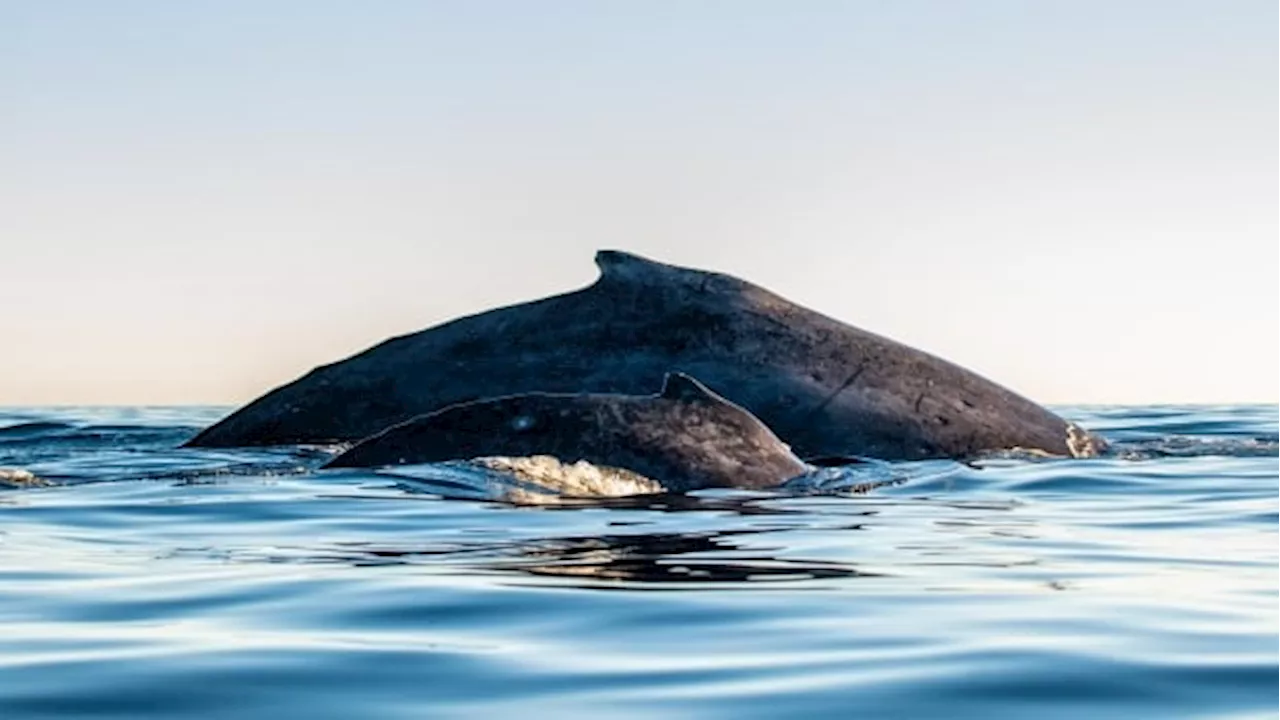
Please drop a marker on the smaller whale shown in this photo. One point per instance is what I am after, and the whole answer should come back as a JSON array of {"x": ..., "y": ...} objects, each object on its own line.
[{"x": 684, "y": 438}]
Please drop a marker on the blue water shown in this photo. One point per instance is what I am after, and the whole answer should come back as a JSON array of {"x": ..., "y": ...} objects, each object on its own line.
[{"x": 138, "y": 580}]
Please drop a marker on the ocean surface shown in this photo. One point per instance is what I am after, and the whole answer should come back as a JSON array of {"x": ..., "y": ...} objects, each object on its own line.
[{"x": 139, "y": 580}]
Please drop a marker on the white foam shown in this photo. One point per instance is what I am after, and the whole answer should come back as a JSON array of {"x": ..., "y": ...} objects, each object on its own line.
[
  {"x": 1081, "y": 444},
  {"x": 580, "y": 479},
  {"x": 19, "y": 478},
  {"x": 534, "y": 480}
]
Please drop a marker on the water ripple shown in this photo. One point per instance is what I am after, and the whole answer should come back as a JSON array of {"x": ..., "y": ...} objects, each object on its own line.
[{"x": 152, "y": 581}]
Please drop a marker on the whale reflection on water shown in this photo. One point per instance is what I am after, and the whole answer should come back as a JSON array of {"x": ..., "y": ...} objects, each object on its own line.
[{"x": 597, "y": 561}]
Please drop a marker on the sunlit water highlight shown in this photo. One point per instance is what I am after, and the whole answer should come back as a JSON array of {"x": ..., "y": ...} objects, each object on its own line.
[{"x": 139, "y": 580}]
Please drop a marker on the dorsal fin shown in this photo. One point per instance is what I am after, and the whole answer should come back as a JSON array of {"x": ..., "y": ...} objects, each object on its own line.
[
  {"x": 678, "y": 386},
  {"x": 629, "y": 267},
  {"x": 624, "y": 270}
]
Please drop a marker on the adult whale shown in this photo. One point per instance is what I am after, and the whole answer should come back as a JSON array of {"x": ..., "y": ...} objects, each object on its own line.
[
  {"x": 825, "y": 387},
  {"x": 684, "y": 438}
]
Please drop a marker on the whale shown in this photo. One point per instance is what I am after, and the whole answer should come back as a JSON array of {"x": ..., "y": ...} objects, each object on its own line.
[
  {"x": 827, "y": 388},
  {"x": 684, "y": 438}
]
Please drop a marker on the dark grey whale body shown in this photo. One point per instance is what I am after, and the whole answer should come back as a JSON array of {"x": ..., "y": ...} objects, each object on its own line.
[
  {"x": 685, "y": 438},
  {"x": 826, "y": 388}
]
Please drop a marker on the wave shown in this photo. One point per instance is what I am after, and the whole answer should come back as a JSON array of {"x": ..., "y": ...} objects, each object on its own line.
[
  {"x": 55, "y": 434},
  {"x": 544, "y": 480},
  {"x": 1172, "y": 446},
  {"x": 35, "y": 429}
]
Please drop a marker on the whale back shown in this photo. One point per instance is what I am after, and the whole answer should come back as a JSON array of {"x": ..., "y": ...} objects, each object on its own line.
[{"x": 825, "y": 387}]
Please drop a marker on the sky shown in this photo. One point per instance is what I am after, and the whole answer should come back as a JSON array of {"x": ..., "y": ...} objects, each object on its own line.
[{"x": 202, "y": 200}]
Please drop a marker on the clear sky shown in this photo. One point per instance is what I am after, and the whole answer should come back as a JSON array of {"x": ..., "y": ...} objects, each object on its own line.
[{"x": 201, "y": 200}]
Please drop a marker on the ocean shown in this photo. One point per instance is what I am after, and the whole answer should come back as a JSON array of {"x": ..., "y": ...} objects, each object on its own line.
[{"x": 140, "y": 580}]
